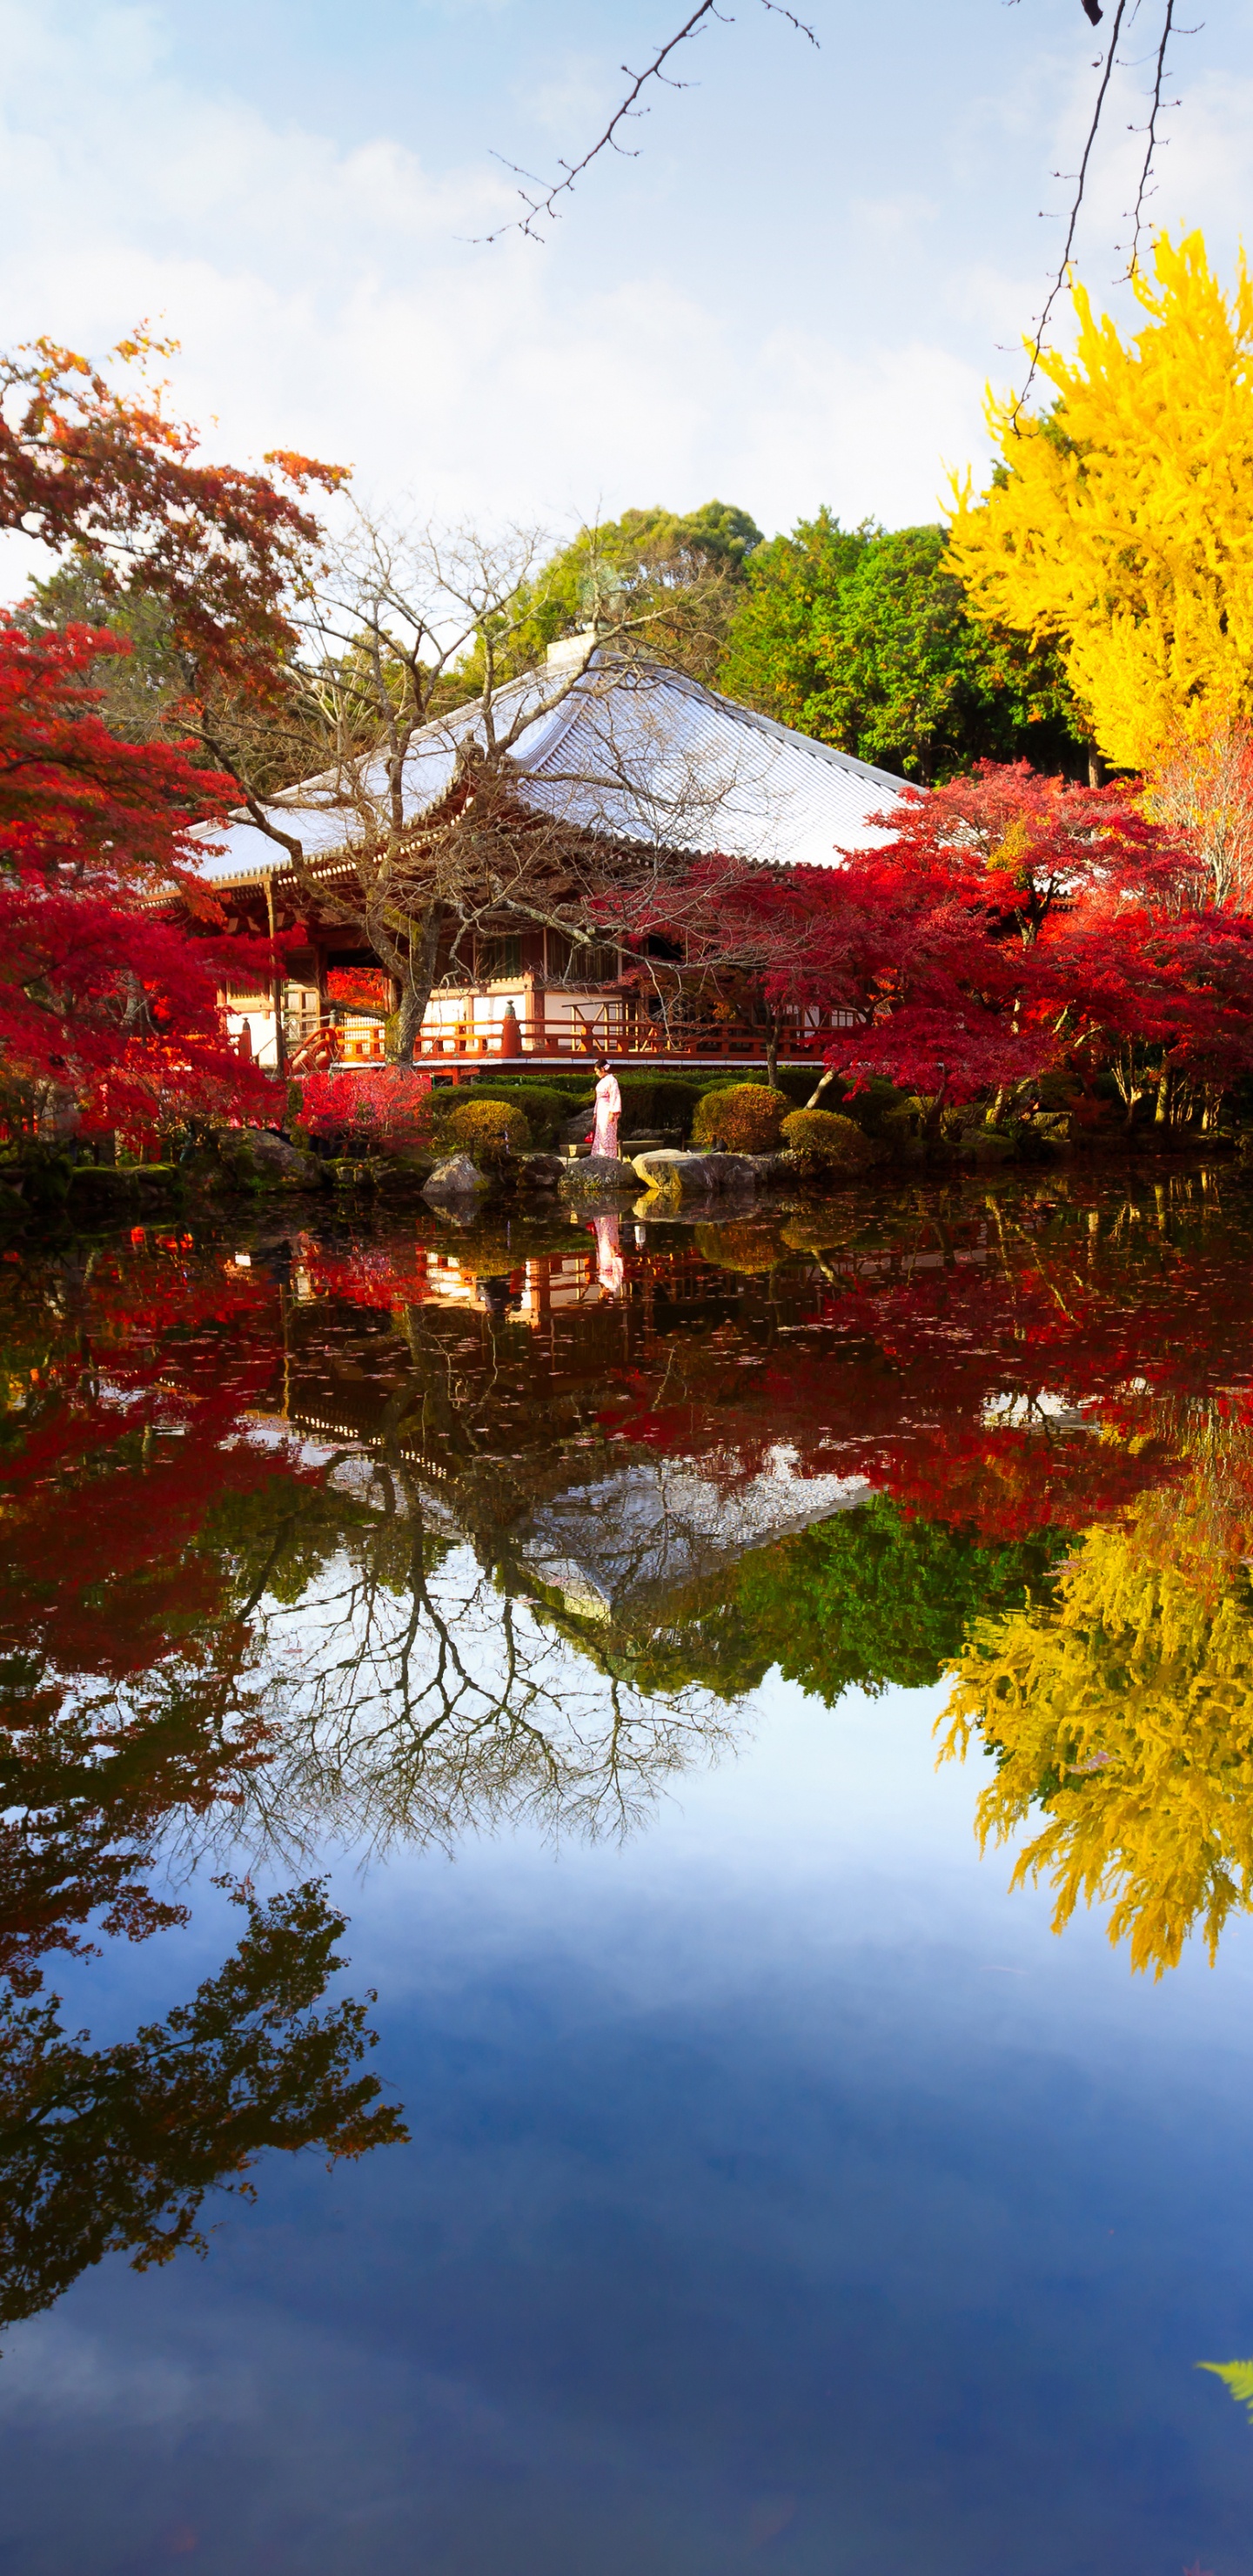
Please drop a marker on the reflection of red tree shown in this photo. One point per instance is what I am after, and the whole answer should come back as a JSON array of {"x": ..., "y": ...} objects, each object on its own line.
[
  {"x": 126, "y": 1697},
  {"x": 1006, "y": 1392}
]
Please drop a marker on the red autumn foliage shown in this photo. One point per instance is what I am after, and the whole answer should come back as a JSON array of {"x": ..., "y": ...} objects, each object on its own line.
[
  {"x": 380, "y": 1108},
  {"x": 1008, "y": 925},
  {"x": 107, "y": 471},
  {"x": 361, "y": 989},
  {"x": 109, "y": 1013}
]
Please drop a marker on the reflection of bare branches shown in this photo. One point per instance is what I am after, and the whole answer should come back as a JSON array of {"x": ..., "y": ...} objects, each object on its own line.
[
  {"x": 545, "y": 207},
  {"x": 448, "y": 1706}
]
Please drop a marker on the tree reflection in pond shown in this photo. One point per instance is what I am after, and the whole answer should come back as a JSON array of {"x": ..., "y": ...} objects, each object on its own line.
[
  {"x": 309, "y": 1543},
  {"x": 1122, "y": 1717}
]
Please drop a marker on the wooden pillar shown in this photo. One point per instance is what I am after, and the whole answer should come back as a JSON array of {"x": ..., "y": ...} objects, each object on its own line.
[
  {"x": 533, "y": 1014},
  {"x": 280, "y": 1049}
]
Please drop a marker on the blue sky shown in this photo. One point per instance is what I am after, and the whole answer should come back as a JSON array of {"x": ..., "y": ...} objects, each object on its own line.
[
  {"x": 783, "y": 2195},
  {"x": 795, "y": 294}
]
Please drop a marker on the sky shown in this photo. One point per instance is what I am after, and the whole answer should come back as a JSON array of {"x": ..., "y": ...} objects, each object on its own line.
[{"x": 795, "y": 294}]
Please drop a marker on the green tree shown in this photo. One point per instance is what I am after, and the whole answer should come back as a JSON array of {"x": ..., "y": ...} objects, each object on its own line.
[
  {"x": 682, "y": 572},
  {"x": 874, "y": 1598},
  {"x": 862, "y": 638}
]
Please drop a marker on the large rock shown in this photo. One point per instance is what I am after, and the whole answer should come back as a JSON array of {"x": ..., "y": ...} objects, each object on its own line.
[
  {"x": 598, "y": 1176},
  {"x": 539, "y": 1171},
  {"x": 456, "y": 1184},
  {"x": 686, "y": 1178},
  {"x": 256, "y": 1154}
]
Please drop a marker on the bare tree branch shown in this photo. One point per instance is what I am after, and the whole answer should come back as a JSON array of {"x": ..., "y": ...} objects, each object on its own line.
[
  {"x": 544, "y": 207},
  {"x": 1076, "y": 203},
  {"x": 1143, "y": 190},
  {"x": 1151, "y": 140}
]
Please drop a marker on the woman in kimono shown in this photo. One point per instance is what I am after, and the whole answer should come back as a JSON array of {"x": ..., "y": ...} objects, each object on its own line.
[{"x": 608, "y": 1110}]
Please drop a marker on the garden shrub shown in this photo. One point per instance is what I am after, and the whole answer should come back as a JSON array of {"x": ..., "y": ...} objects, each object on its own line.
[
  {"x": 798, "y": 1080},
  {"x": 744, "y": 1119},
  {"x": 382, "y": 1109},
  {"x": 826, "y": 1141},
  {"x": 543, "y": 1106},
  {"x": 658, "y": 1100},
  {"x": 488, "y": 1129}
]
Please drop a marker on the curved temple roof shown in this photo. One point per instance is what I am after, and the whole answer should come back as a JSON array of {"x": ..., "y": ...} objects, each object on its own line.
[{"x": 632, "y": 749}]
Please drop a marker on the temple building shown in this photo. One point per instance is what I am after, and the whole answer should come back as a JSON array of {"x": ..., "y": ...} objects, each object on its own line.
[{"x": 632, "y": 752}]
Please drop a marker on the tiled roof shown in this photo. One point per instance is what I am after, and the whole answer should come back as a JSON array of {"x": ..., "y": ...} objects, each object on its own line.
[{"x": 634, "y": 749}]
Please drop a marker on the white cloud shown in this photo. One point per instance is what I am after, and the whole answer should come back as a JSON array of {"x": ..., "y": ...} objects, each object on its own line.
[{"x": 324, "y": 299}]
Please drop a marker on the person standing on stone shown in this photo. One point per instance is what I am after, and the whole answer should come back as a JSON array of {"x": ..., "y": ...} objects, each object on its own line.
[{"x": 608, "y": 1110}]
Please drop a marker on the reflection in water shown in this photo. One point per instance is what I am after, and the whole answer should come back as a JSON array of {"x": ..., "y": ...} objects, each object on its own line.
[
  {"x": 387, "y": 1537},
  {"x": 1124, "y": 1715}
]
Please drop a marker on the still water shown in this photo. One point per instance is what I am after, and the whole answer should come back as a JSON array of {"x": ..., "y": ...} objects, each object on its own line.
[{"x": 676, "y": 1807}]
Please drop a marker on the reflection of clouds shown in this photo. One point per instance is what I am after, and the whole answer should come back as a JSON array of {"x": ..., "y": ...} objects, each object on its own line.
[{"x": 54, "y": 2366}]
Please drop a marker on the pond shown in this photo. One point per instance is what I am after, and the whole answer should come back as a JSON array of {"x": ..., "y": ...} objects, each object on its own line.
[{"x": 625, "y": 1889}]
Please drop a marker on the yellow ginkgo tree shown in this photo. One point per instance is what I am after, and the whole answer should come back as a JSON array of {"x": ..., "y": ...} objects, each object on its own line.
[
  {"x": 1121, "y": 1719},
  {"x": 1119, "y": 523}
]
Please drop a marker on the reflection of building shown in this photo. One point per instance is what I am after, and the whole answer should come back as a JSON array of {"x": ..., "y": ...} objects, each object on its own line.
[
  {"x": 627, "y": 1544},
  {"x": 635, "y": 757},
  {"x": 573, "y": 1434}
]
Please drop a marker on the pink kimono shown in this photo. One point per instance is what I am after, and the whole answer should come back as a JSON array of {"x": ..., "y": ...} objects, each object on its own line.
[
  {"x": 608, "y": 1112},
  {"x": 610, "y": 1266}
]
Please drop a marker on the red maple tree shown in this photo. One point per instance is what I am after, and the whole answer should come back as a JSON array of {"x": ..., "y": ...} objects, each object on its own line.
[{"x": 109, "y": 1014}]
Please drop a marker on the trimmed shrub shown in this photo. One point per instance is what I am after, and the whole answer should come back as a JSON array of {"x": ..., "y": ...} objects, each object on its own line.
[
  {"x": 744, "y": 1119},
  {"x": 490, "y": 1130},
  {"x": 543, "y": 1106},
  {"x": 657, "y": 1100},
  {"x": 829, "y": 1143}
]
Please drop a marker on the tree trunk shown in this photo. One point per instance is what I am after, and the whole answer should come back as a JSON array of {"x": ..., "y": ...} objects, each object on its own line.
[
  {"x": 820, "y": 1086},
  {"x": 772, "y": 1054},
  {"x": 409, "y": 1019},
  {"x": 1161, "y": 1107},
  {"x": 416, "y": 977},
  {"x": 931, "y": 1123}
]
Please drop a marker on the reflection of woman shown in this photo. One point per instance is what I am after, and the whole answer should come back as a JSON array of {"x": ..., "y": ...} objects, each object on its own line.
[
  {"x": 608, "y": 1110},
  {"x": 610, "y": 1267}
]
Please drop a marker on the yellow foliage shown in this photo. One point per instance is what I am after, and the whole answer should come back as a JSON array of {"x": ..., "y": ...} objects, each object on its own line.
[
  {"x": 1123, "y": 525},
  {"x": 1125, "y": 1718}
]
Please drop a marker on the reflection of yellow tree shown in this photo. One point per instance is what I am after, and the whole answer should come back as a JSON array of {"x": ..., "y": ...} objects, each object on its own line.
[{"x": 1125, "y": 1717}]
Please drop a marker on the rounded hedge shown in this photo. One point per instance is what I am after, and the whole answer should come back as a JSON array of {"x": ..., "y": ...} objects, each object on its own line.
[
  {"x": 488, "y": 1129},
  {"x": 543, "y": 1106},
  {"x": 827, "y": 1141},
  {"x": 746, "y": 1118}
]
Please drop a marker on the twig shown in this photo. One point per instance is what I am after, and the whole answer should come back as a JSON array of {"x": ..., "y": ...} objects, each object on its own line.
[
  {"x": 544, "y": 207},
  {"x": 1151, "y": 145},
  {"x": 1077, "y": 201}
]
